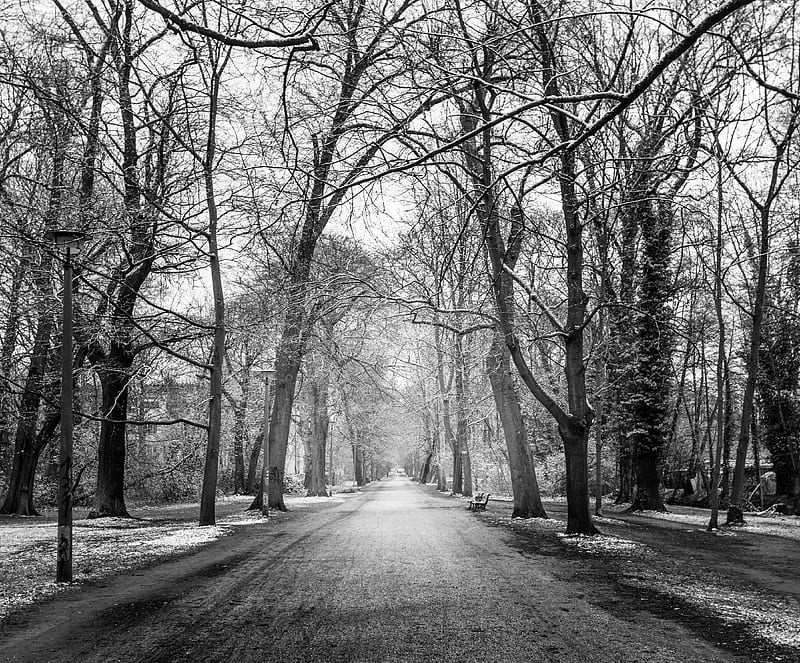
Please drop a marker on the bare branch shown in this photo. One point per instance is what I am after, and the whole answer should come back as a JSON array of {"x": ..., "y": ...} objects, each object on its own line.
[{"x": 304, "y": 40}]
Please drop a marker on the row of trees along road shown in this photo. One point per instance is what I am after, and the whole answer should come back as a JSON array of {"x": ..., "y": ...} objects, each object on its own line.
[{"x": 443, "y": 225}]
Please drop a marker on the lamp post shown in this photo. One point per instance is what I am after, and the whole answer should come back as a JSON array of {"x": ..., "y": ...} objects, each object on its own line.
[
  {"x": 68, "y": 241},
  {"x": 268, "y": 374}
]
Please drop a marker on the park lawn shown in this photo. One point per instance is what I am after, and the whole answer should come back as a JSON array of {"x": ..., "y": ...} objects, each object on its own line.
[{"x": 105, "y": 547}]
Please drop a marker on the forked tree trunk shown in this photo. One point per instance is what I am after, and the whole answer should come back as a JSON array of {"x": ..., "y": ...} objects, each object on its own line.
[
  {"x": 524, "y": 486},
  {"x": 575, "y": 421},
  {"x": 113, "y": 354}
]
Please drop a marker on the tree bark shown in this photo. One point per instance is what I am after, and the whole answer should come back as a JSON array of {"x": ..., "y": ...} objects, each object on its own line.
[
  {"x": 19, "y": 498},
  {"x": 649, "y": 402},
  {"x": 252, "y": 466},
  {"x": 239, "y": 439},
  {"x": 290, "y": 354},
  {"x": 109, "y": 499},
  {"x": 621, "y": 356},
  {"x": 217, "y": 59},
  {"x": 319, "y": 434},
  {"x": 9, "y": 344},
  {"x": 462, "y": 426},
  {"x": 114, "y": 353},
  {"x": 735, "y": 514},
  {"x": 524, "y": 486},
  {"x": 358, "y": 464}
]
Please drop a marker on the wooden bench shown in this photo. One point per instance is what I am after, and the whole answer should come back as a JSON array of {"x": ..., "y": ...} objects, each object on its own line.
[{"x": 479, "y": 502}]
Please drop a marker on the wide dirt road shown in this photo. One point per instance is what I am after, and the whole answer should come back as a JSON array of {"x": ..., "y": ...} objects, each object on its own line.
[{"x": 395, "y": 573}]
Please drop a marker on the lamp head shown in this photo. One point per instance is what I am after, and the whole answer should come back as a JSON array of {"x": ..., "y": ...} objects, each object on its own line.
[
  {"x": 267, "y": 373},
  {"x": 71, "y": 240}
]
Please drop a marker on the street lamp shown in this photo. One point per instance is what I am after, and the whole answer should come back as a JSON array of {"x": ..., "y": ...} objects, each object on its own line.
[
  {"x": 269, "y": 376},
  {"x": 68, "y": 241}
]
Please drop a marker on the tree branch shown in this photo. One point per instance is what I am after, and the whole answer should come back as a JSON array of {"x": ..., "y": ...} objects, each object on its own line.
[{"x": 303, "y": 40}]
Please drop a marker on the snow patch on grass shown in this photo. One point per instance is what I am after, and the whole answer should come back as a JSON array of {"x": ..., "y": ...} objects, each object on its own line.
[
  {"x": 532, "y": 524},
  {"x": 601, "y": 544},
  {"x": 773, "y": 525},
  {"x": 101, "y": 548},
  {"x": 771, "y": 617},
  {"x": 299, "y": 502}
]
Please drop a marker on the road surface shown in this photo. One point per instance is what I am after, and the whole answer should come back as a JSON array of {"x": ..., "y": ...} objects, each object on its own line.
[{"x": 394, "y": 573}]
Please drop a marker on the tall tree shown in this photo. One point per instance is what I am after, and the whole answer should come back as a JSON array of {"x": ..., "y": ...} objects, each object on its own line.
[{"x": 362, "y": 42}]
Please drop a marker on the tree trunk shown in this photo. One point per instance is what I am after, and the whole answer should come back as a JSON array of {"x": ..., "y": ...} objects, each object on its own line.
[
  {"x": 621, "y": 358},
  {"x": 575, "y": 421},
  {"x": 648, "y": 491},
  {"x": 462, "y": 426},
  {"x": 240, "y": 485},
  {"x": 441, "y": 474},
  {"x": 735, "y": 513},
  {"x": 649, "y": 404},
  {"x": 727, "y": 434},
  {"x": 9, "y": 344},
  {"x": 458, "y": 476},
  {"x": 320, "y": 422},
  {"x": 598, "y": 457},
  {"x": 425, "y": 472},
  {"x": 524, "y": 486},
  {"x": 430, "y": 442},
  {"x": 109, "y": 499},
  {"x": 290, "y": 354},
  {"x": 306, "y": 463},
  {"x": 239, "y": 438},
  {"x": 252, "y": 467},
  {"x": 358, "y": 464},
  {"x": 19, "y": 498},
  {"x": 576, "y": 449},
  {"x": 114, "y": 352},
  {"x": 625, "y": 471}
]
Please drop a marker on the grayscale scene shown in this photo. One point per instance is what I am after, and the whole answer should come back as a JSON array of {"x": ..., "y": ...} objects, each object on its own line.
[{"x": 365, "y": 331}]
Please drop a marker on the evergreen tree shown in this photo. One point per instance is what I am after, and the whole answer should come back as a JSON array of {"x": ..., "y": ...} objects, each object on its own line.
[
  {"x": 649, "y": 402},
  {"x": 779, "y": 382}
]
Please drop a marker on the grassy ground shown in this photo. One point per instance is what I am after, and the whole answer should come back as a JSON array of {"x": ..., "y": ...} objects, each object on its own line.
[{"x": 105, "y": 547}]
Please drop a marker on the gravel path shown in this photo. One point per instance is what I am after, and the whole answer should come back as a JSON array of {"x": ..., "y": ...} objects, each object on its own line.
[{"x": 395, "y": 573}]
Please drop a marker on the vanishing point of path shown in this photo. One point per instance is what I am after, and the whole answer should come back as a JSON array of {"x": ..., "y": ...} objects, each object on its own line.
[{"x": 395, "y": 573}]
